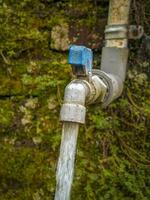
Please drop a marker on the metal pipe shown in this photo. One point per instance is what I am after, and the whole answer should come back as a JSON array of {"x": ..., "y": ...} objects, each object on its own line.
[
  {"x": 72, "y": 114},
  {"x": 115, "y": 53},
  {"x": 118, "y": 12},
  {"x": 118, "y": 18},
  {"x": 65, "y": 167}
]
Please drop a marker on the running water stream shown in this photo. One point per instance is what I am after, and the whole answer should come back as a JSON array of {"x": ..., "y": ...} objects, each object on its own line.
[{"x": 65, "y": 167}]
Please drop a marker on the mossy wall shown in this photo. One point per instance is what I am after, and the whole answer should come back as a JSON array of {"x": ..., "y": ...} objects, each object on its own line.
[{"x": 113, "y": 147}]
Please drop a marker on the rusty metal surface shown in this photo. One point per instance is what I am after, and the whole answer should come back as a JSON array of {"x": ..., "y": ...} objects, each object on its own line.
[
  {"x": 135, "y": 32},
  {"x": 119, "y": 43},
  {"x": 118, "y": 15},
  {"x": 119, "y": 12}
]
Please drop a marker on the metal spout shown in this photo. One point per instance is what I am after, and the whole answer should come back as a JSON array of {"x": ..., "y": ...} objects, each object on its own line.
[
  {"x": 78, "y": 93},
  {"x": 73, "y": 109}
]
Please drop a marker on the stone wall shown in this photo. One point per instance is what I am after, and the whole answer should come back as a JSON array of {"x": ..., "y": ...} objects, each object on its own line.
[{"x": 113, "y": 147}]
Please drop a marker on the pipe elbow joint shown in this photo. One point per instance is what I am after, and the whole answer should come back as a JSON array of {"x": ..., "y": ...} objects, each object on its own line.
[{"x": 114, "y": 86}]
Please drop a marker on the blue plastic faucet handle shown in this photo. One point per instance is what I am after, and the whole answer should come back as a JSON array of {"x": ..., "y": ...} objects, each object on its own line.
[{"x": 81, "y": 59}]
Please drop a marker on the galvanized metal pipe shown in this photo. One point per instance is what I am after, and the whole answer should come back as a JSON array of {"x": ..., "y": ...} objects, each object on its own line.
[
  {"x": 115, "y": 53},
  {"x": 118, "y": 17},
  {"x": 65, "y": 167},
  {"x": 118, "y": 12}
]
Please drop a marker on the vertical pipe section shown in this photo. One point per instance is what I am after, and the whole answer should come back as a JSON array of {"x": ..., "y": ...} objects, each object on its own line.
[
  {"x": 118, "y": 15},
  {"x": 65, "y": 167},
  {"x": 118, "y": 12},
  {"x": 72, "y": 114},
  {"x": 115, "y": 53}
]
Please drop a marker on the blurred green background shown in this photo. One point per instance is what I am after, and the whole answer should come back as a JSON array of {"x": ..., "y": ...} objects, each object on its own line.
[{"x": 112, "y": 161}]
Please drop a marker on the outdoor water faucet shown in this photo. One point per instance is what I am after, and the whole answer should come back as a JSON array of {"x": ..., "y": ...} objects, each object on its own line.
[
  {"x": 87, "y": 88},
  {"x": 102, "y": 85}
]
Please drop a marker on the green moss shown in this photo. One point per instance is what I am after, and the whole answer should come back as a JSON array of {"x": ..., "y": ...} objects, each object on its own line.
[
  {"x": 113, "y": 148},
  {"x": 6, "y": 113}
]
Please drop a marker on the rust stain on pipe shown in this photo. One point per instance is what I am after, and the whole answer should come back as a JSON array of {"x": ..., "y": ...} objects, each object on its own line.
[
  {"x": 119, "y": 12},
  {"x": 118, "y": 15}
]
